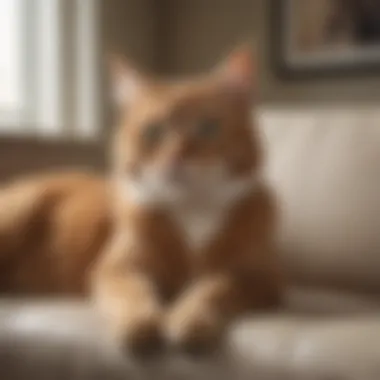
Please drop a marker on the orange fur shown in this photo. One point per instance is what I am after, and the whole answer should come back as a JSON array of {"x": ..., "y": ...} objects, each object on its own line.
[
  {"x": 51, "y": 230},
  {"x": 153, "y": 283},
  {"x": 149, "y": 279}
]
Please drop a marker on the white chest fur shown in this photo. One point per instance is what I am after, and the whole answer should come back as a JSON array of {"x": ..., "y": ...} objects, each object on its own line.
[
  {"x": 199, "y": 222},
  {"x": 200, "y": 226}
]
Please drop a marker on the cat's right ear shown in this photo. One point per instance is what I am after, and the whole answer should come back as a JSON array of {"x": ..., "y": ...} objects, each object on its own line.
[
  {"x": 238, "y": 72},
  {"x": 125, "y": 81}
]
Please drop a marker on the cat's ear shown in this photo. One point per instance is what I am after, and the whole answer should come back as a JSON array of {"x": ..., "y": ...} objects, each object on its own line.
[
  {"x": 239, "y": 70},
  {"x": 125, "y": 81}
]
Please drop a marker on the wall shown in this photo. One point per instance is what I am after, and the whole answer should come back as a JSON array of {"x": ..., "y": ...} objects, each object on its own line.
[
  {"x": 198, "y": 32},
  {"x": 19, "y": 157},
  {"x": 129, "y": 28}
]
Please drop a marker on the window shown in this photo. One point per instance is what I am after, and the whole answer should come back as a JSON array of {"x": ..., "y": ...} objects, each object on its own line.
[
  {"x": 49, "y": 68},
  {"x": 10, "y": 61}
]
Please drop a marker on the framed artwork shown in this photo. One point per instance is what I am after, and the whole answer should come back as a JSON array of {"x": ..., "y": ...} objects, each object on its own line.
[{"x": 314, "y": 38}]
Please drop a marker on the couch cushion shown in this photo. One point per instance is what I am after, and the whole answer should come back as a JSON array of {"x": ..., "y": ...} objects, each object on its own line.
[
  {"x": 66, "y": 340},
  {"x": 325, "y": 166}
]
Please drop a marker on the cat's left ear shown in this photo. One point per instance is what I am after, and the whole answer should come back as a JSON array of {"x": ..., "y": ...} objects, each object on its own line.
[
  {"x": 238, "y": 72},
  {"x": 125, "y": 81}
]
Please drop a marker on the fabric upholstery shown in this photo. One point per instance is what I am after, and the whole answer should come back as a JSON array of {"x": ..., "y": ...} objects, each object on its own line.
[
  {"x": 324, "y": 164},
  {"x": 325, "y": 167},
  {"x": 65, "y": 340}
]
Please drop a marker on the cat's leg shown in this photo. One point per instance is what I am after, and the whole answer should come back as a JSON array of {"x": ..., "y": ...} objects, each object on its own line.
[
  {"x": 198, "y": 320},
  {"x": 127, "y": 296}
]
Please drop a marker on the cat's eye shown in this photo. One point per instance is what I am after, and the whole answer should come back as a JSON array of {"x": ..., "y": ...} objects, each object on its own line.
[
  {"x": 154, "y": 133},
  {"x": 208, "y": 129}
]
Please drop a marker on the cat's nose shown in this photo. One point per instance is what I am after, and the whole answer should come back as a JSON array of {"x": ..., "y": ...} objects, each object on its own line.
[{"x": 175, "y": 171}]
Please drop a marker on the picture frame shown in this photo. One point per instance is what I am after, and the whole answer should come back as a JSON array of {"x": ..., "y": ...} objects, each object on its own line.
[{"x": 308, "y": 40}]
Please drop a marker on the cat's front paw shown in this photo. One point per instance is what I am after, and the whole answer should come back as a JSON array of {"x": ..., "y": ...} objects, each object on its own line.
[
  {"x": 195, "y": 332},
  {"x": 142, "y": 336}
]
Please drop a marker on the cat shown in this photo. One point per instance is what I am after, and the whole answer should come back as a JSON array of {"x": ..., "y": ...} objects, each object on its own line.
[
  {"x": 178, "y": 241},
  {"x": 193, "y": 245}
]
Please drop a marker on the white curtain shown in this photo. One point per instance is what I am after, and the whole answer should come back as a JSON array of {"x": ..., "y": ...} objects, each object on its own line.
[{"x": 51, "y": 68}]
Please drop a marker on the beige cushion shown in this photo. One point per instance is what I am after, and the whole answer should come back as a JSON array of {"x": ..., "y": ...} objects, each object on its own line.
[
  {"x": 325, "y": 166},
  {"x": 66, "y": 340}
]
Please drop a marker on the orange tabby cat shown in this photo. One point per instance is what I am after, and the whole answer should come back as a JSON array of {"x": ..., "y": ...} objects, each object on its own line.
[
  {"x": 195, "y": 222},
  {"x": 191, "y": 248}
]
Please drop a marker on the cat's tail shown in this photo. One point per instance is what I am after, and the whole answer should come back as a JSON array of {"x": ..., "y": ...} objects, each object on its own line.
[
  {"x": 19, "y": 203},
  {"x": 29, "y": 209}
]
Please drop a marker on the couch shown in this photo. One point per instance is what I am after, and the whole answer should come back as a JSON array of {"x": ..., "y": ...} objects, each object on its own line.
[{"x": 325, "y": 165}]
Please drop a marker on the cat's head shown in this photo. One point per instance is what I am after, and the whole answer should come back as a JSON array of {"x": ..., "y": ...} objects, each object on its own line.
[{"x": 178, "y": 139}]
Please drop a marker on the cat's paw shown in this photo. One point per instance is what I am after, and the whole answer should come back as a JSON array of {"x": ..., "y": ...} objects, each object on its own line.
[
  {"x": 142, "y": 336},
  {"x": 196, "y": 333}
]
